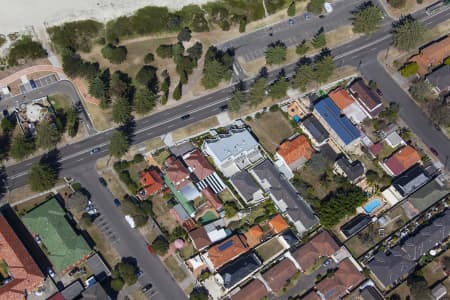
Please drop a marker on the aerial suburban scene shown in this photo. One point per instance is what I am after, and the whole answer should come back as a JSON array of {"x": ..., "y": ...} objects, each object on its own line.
[{"x": 225, "y": 149}]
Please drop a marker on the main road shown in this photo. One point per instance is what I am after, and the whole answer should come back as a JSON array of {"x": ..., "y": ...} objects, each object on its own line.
[{"x": 76, "y": 161}]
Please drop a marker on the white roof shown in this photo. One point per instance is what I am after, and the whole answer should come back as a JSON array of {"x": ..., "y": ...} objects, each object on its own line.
[
  {"x": 232, "y": 145},
  {"x": 394, "y": 139},
  {"x": 217, "y": 235},
  {"x": 355, "y": 113}
]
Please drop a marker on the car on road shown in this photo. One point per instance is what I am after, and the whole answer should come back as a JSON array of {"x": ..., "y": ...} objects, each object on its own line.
[
  {"x": 223, "y": 107},
  {"x": 139, "y": 273},
  {"x": 379, "y": 93},
  {"x": 185, "y": 117},
  {"x": 150, "y": 249},
  {"x": 146, "y": 287},
  {"x": 102, "y": 181},
  {"x": 117, "y": 202},
  {"x": 434, "y": 151},
  {"x": 95, "y": 150},
  {"x": 307, "y": 16},
  {"x": 291, "y": 21}
]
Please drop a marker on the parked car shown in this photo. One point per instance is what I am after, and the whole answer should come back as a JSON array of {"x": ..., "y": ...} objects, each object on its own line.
[
  {"x": 150, "y": 249},
  {"x": 50, "y": 272},
  {"x": 117, "y": 202},
  {"x": 139, "y": 273},
  {"x": 434, "y": 151},
  {"x": 95, "y": 150},
  {"x": 291, "y": 21},
  {"x": 102, "y": 181},
  {"x": 74, "y": 271},
  {"x": 223, "y": 107},
  {"x": 33, "y": 84},
  {"x": 307, "y": 16},
  {"x": 147, "y": 287},
  {"x": 185, "y": 117}
]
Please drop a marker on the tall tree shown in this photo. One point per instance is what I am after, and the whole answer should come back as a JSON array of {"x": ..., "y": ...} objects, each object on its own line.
[
  {"x": 184, "y": 35},
  {"x": 315, "y": 6},
  {"x": 120, "y": 85},
  {"x": 71, "y": 122},
  {"x": 121, "y": 111},
  {"x": 302, "y": 48},
  {"x": 319, "y": 40},
  {"x": 21, "y": 147},
  {"x": 178, "y": 92},
  {"x": 147, "y": 77},
  {"x": 258, "y": 91},
  {"x": 118, "y": 144},
  {"x": 218, "y": 66},
  {"x": 324, "y": 68},
  {"x": 98, "y": 88},
  {"x": 195, "y": 52},
  {"x": 41, "y": 177},
  {"x": 367, "y": 19},
  {"x": 144, "y": 101},
  {"x": 279, "y": 88},
  {"x": 236, "y": 101},
  {"x": 291, "y": 9},
  {"x": 47, "y": 135},
  {"x": 276, "y": 53},
  {"x": 408, "y": 33},
  {"x": 304, "y": 75}
]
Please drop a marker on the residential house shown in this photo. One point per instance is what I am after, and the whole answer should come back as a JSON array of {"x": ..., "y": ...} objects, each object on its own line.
[
  {"x": 368, "y": 99},
  {"x": 439, "y": 291},
  {"x": 432, "y": 55},
  {"x": 239, "y": 269},
  {"x": 252, "y": 291},
  {"x": 216, "y": 230},
  {"x": 320, "y": 246},
  {"x": 203, "y": 171},
  {"x": 394, "y": 265},
  {"x": 401, "y": 160},
  {"x": 394, "y": 140},
  {"x": 355, "y": 225},
  {"x": 24, "y": 276},
  {"x": 176, "y": 172},
  {"x": 343, "y": 281},
  {"x": 254, "y": 235},
  {"x": 151, "y": 182},
  {"x": 233, "y": 151},
  {"x": 212, "y": 199},
  {"x": 440, "y": 79},
  {"x": 369, "y": 292},
  {"x": 277, "y": 276},
  {"x": 353, "y": 171},
  {"x": 284, "y": 196},
  {"x": 341, "y": 129},
  {"x": 199, "y": 238},
  {"x": 293, "y": 154},
  {"x": 315, "y": 131},
  {"x": 277, "y": 224},
  {"x": 95, "y": 291},
  {"x": 406, "y": 184},
  {"x": 348, "y": 106},
  {"x": 246, "y": 187},
  {"x": 224, "y": 252}
]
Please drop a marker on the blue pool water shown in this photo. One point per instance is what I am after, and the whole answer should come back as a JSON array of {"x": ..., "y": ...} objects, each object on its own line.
[
  {"x": 296, "y": 119},
  {"x": 372, "y": 205}
]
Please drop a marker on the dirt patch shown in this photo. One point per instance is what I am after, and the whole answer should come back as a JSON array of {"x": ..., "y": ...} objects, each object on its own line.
[
  {"x": 271, "y": 129},
  {"x": 410, "y": 7},
  {"x": 154, "y": 143},
  {"x": 162, "y": 213},
  {"x": 194, "y": 129}
]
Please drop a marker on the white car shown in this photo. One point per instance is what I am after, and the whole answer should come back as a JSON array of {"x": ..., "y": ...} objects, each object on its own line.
[
  {"x": 328, "y": 7},
  {"x": 50, "y": 272}
]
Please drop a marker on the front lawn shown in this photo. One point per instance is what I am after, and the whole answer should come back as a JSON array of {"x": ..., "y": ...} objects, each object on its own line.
[{"x": 175, "y": 269}]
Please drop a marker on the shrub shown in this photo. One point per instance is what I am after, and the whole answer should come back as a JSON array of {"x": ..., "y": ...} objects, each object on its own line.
[
  {"x": 397, "y": 3},
  {"x": 121, "y": 165},
  {"x": 117, "y": 284},
  {"x": 25, "y": 48},
  {"x": 409, "y": 69},
  {"x": 149, "y": 57},
  {"x": 138, "y": 158},
  {"x": 160, "y": 245}
]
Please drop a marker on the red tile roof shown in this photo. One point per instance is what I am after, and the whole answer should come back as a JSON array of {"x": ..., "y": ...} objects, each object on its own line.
[
  {"x": 341, "y": 98},
  {"x": 22, "y": 267},
  {"x": 200, "y": 238},
  {"x": 321, "y": 245},
  {"x": 402, "y": 160},
  {"x": 151, "y": 181},
  {"x": 255, "y": 290},
  {"x": 432, "y": 55},
  {"x": 227, "y": 250},
  {"x": 212, "y": 198},
  {"x": 311, "y": 296},
  {"x": 376, "y": 148},
  {"x": 278, "y": 275},
  {"x": 346, "y": 278},
  {"x": 295, "y": 149},
  {"x": 199, "y": 165},
  {"x": 278, "y": 224},
  {"x": 176, "y": 172},
  {"x": 254, "y": 235}
]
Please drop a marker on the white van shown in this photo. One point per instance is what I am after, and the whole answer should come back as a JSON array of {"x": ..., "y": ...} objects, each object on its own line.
[{"x": 328, "y": 7}]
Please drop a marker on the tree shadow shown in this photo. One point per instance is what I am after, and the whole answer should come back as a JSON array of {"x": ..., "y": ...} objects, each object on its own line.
[
  {"x": 51, "y": 159},
  {"x": 3, "y": 182}
]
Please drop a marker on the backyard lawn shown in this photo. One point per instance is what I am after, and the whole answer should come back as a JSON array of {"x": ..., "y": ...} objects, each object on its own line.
[
  {"x": 271, "y": 129},
  {"x": 60, "y": 101},
  {"x": 269, "y": 249},
  {"x": 162, "y": 213}
]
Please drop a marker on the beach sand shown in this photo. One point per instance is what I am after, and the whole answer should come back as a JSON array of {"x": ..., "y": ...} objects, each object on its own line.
[{"x": 18, "y": 15}]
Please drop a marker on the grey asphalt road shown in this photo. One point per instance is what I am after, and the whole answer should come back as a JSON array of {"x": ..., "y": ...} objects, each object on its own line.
[
  {"x": 60, "y": 87},
  {"x": 253, "y": 44},
  {"x": 77, "y": 162},
  {"x": 129, "y": 242}
]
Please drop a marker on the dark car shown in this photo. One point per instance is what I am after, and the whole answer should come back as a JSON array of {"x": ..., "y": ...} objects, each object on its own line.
[
  {"x": 147, "y": 287},
  {"x": 139, "y": 273},
  {"x": 434, "y": 151},
  {"x": 307, "y": 16},
  {"x": 74, "y": 271},
  {"x": 321, "y": 16},
  {"x": 117, "y": 202},
  {"x": 102, "y": 181},
  {"x": 379, "y": 93},
  {"x": 291, "y": 21},
  {"x": 223, "y": 107},
  {"x": 95, "y": 150},
  {"x": 33, "y": 84},
  {"x": 185, "y": 117}
]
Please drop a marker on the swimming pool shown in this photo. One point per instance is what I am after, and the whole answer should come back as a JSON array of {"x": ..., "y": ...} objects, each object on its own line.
[{"x": 372, "y": 205}]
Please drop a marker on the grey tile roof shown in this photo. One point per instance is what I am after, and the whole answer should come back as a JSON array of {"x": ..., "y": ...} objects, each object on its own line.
[
  {"x": 410, "y": 181},
  {"x": 440, "y": 78},
  {"x": 233, "y": 272},
  {"x": 245, "y": 185},
  {"x": 73, "y": 290},
  {"x": 232, "y": 144},
  {"x": 353, "y": 170},
  {"x": 429, "y": 194},
  {"x": 181, "y": 149},
  {"x": 95, "y": 292},
  {"x": 403, "y": 258},
  {"x": 318, "y": 132},
  {"x": 281, "y": 189}
]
